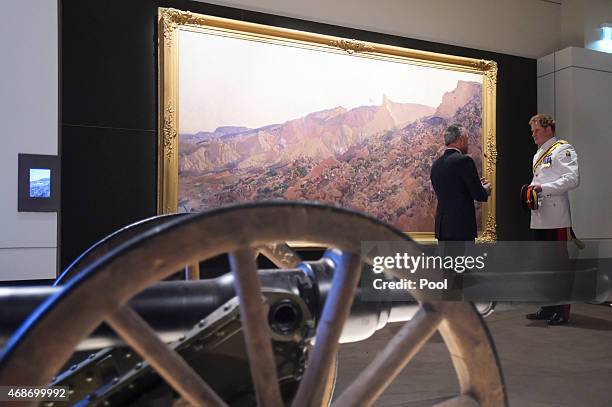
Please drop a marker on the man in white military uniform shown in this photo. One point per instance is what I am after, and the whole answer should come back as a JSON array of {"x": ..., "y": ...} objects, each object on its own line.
[{"x": 555, "y": 172}]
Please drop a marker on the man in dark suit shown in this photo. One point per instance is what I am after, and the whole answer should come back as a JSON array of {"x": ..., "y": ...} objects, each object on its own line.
[{"x": 455, "y": 180}]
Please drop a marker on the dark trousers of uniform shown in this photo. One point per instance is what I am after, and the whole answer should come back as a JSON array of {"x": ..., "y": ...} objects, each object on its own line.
[{"x": 562, "y": 236}]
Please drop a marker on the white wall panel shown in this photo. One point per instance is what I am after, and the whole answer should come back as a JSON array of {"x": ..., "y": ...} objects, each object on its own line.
[
  {"x": 564, "y": 103},
  {"x": 27, "y": 264},
  {"x": 29, "y": 117},
  {"x": 592, "y": 132},
  {"x": 546, "y": 93},
  {"x": 546, "y": 65},
  {"x": 583, "y": 102},
  {"x": 586, "y": 58}
]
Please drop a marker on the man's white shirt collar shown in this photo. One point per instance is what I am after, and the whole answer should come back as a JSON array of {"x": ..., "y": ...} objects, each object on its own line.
[
  {"x": 453, "y": 148},
  {"x": 548, "y": 143}
]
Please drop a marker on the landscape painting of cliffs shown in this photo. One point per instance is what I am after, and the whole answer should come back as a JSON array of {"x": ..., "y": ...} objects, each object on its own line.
[{"x": 262, "y": 121}]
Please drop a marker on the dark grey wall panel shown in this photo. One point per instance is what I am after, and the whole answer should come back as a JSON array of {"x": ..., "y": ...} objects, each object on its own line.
[
  {"x": 108, "y": 183},
  {"x": 109, "y": 60}
]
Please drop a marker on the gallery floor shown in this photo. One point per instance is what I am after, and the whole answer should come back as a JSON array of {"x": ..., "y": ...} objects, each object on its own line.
[{"x": 568, "y": 365}]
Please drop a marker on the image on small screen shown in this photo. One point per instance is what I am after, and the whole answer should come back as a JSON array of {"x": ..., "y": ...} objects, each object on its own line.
[{"x": 40, "y": 183}]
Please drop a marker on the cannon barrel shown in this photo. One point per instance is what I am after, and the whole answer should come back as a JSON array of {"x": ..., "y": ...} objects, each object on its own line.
[{"x": 173, "y": 307}]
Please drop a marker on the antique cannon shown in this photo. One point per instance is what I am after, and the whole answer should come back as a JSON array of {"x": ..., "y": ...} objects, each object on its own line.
[
  {"x": 266, "y": 337},
  {"x": 201, "y": 318}
]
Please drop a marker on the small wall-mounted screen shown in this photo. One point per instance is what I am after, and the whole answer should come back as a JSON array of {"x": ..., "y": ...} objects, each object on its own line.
[{"x": 40, "y": 183}]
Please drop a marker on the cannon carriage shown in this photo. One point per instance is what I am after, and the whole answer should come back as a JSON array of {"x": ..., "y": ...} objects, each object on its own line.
[{"x": 250, "y": 337}]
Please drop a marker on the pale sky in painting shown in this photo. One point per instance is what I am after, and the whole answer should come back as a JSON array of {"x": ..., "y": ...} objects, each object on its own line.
[
  {"x": 229, "y": 82},
  {"x": 39, "y": 173}
]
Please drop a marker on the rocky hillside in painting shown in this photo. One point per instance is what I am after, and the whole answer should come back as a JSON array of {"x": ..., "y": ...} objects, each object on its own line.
[
  {"x": 457, "y": 98},
  {"x": 318, "y": 136},
  {"x": 372, "y": 158}
]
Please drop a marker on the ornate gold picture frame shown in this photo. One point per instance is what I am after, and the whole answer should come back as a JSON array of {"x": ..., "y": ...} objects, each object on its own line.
[{"x": 370, "y": 151}]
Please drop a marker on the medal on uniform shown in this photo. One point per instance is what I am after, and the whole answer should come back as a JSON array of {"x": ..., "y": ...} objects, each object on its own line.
[{"x": 547, "y": 155}]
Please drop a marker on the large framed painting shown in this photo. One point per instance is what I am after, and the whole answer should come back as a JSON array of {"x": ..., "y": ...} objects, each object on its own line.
[{"x": 249, "y": 112}]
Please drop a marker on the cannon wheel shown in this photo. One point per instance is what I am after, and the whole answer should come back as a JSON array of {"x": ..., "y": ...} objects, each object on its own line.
[
  {"x": 278, "y": 253},
  {"x": 102, "y": 291}
]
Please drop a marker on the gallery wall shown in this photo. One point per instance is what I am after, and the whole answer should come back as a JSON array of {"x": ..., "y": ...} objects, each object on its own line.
[
  {"x": 505, "y": 26},
  {"x": 528, "y": 28},
  {"x": 576, "y": 84},
  {"x": 580, "y": 24},
  {"x": 109, "y": 119},
  {"x": 29, "y": 116}
]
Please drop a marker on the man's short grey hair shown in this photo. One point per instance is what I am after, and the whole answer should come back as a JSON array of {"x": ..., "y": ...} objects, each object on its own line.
[{"x": 452, "y": 133}]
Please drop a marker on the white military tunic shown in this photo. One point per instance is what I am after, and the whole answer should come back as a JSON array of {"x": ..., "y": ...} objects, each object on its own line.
[{"x": 557, "y": 174}]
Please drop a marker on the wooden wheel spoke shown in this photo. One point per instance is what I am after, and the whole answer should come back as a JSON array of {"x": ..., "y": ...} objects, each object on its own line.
[
  {"x": 460, "y": 401},
  {"x": 281, "y": 254},
  {"x": 255, "y": 325},
  {"x": 192, "y": 271},
  {"x": 170, "y": 366},
  {"x": 373, "y": 381},
  {"x": 335, "y": 312}
]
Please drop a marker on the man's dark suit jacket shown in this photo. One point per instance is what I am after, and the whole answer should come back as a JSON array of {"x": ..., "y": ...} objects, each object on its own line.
[{"x": 455, "y": 179}]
